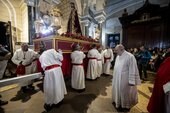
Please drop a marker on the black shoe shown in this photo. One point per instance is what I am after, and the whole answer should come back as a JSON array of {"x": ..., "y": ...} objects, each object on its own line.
[
  {"x": 58, "y": 104},
  {"x": 125, "y": 109},
  {"x": 47, "y": 107},
  {"x": 3, "y": 102},
  {"x": 31, "y": 87},
  {"x": 23, "y": 89},
  {"x": 81, "y": 90}
]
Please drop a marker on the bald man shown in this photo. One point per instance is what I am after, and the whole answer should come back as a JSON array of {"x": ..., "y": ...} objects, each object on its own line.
[
  {"x": 125, "y": 79},
  {"x": 24, "y": 57}
]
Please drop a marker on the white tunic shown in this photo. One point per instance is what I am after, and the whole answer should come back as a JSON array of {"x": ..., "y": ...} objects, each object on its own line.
[
  {"x": 99, "y": 65},
  {"x": 54, "y": 85},
  {"x": 92, "y": 64},
  {"x": 26, "y": 58},
  {"x": 108, "y": 56},
  {"x": 77, "y": 75},
  {"x": 125, "y": 73}
]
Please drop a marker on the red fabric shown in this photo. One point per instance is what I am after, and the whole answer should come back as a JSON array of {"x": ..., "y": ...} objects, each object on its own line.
[
  {"x": 156, "y": 103},
  {"x": 20, "y": 70},
  {"x": 52, "y": 66},
  {"x": 39, "y": 68},
  {"x": 105, "y": 58},
  {"x": 77, "y": 64},
  {"x": 66, "y": 65},
  {"x": 91, "y": 58}
]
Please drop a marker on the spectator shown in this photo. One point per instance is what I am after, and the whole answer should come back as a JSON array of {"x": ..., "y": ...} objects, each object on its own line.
[{"x": 144, "y": 57}]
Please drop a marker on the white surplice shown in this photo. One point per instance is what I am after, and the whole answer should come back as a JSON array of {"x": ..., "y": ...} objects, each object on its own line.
[
  {"x": 125, "y": 79},
  {"x": 26, "y": 58},
  {"x": 99, "y": 65},
  {"x": 108, "y": 54},
  {"x": 92, "y": 64},
  {"x": 77, "y": 75},
  {"x": 54, "y": 85}
]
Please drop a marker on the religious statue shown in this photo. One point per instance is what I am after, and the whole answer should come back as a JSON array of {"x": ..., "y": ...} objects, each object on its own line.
[
  {"x": 125, "y": 13},
  {"x": 73, "y": 25},
  {"x": 49, "y": 23}
]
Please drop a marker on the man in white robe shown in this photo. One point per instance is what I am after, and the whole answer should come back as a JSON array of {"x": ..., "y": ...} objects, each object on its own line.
[
  {"x": 77, "y": 75},
  {"x": 99, "y": 63},
  {"x": 54, "y": 85},
  {"x": 92, "y": 64},
  {"x": 108, "y": 58},
  {"x": 125, "y": 79},
  {"x": 25, "y": 57}
]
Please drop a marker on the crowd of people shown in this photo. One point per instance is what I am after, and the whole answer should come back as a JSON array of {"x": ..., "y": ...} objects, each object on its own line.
[
  {"x": 128, "y": 68},
  {"x": 157, "y": 56}
]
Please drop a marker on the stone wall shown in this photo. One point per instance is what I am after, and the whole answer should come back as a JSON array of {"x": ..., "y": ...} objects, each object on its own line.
[{"x": 16, "y": 12}]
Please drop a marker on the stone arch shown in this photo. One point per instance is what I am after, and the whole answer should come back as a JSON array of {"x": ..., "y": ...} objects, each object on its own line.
[{"x": 6, "y": 15}]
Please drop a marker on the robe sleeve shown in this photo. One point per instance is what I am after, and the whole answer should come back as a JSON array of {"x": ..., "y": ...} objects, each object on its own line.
[
  {"x": 58, "y": 55},
  {"x": 84, "y": 55},
  {"x": 102, "y": 54},
  {"x": 88, "y": 54},
  {"x": 112, "y": 56},
  {"x": 72, "y": 56},
  {"x": 134, "y": 78},
  {"x": 15, "y": 59}
]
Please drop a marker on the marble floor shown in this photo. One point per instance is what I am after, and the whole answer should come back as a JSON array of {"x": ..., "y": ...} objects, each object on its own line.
[{"x": 95, "y": 99}]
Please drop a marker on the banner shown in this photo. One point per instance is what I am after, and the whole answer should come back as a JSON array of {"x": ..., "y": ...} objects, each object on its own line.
[{"x": 113, "y": 40}]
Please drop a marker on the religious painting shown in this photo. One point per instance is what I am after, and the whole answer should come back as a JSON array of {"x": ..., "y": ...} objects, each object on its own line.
[{"x": 113, "y": 40}]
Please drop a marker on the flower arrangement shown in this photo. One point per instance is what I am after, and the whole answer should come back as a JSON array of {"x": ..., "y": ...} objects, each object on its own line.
[{"x": 78, "y": 36}]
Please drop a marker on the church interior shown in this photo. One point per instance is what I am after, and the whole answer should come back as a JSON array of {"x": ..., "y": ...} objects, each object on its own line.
[{"x": 64, "y": 24}]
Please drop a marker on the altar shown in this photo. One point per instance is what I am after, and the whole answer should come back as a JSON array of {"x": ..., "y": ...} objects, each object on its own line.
[{"x": 65, "y": 44}]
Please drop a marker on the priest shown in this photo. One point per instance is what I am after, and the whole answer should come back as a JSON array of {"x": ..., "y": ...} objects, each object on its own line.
[
  {"x": 24, "y": 58},
  {"x": 125, "y": 79}
]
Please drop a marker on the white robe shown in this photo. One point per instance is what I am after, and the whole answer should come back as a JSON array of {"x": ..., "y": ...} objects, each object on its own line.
[
  {"x": 92, "y": 64},
  {"x": 125, "y": 73},
  {"x": 77, "y": 75},
  {"x": 54, "y": 85},
  {"x": 26, "y": 58},
  {"x": 108, "y": 53},
  {"x": 99, "y": 65}
]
